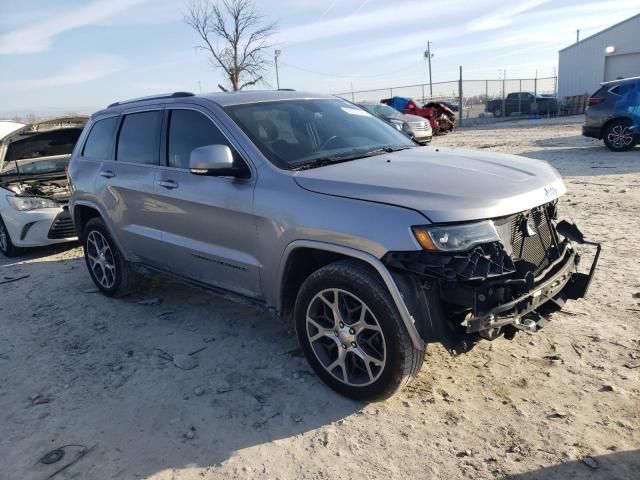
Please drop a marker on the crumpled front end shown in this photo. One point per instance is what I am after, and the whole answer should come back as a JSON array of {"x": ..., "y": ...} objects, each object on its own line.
[{"x": 504, "y": 286}]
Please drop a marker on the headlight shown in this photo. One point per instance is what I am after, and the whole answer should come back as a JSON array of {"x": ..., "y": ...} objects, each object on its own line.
[
  {"x": 30, "y": 203},
  {"x": 452, "y": 238},
  {"x": 397, "y": 123}
]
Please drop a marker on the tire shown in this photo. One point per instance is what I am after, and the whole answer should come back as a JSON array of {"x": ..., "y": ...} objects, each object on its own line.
[
  {"x": 497, "y": 112},
  {"x": 618, "y": 136},
  {"x": 111, "y": 273},
  {"x": 377, "y": 351},
  {"x": 7, "y": 247}
]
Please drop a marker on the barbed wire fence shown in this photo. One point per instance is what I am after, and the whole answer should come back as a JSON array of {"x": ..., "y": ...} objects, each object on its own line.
[{"x": 475, "y": 94}]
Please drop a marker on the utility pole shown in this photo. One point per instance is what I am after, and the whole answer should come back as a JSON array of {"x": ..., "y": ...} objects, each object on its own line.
[
  {"x": 277, "y": 54},
  {"x": 503, "y": 73},
  {"x": 460, "y": 99},
  {"x": 428, "y": 55}
]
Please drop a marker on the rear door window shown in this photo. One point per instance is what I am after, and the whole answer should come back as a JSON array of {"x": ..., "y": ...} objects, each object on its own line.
[
  {"x": 99, "y": 142},
  {"x": 189, "y": 130},
  {"x": 139, "y": 138}
]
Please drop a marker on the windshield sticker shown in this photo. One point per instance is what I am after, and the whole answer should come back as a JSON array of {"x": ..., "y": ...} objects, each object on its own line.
[{"x": 356, "y": 111}]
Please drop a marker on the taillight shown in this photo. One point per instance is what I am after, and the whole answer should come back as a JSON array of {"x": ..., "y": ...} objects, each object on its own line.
[{"x": 595, "y": 101}]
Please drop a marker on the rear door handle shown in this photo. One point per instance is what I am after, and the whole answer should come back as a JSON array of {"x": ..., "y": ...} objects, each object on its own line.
[
  {"x": 107, "y": 174},
  {"x": 168, "y": 184}
]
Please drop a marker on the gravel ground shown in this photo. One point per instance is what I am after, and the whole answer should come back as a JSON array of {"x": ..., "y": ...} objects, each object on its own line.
[{"x": 94, "y": 375}]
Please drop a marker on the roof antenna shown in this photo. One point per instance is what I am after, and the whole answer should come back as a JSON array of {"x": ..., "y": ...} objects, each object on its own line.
[{"x": 222, "y": 88}]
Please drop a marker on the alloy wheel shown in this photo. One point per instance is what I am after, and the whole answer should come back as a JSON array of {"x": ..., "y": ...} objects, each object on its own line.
[
  {"x": 620, "y": 136},
  {"x": 346, "y": 337},
  {"x": 101, "y": 259}
]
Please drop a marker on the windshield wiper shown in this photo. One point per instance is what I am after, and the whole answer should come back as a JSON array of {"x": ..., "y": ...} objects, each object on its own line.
[{"x": 333, "y": 159}]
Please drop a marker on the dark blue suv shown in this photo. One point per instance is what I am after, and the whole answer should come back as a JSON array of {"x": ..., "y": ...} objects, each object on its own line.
[{"x": 613, "y": 114}]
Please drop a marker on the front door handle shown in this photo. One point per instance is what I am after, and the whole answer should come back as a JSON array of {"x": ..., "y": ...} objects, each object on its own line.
[
  {"x": 168, "y": 184},
  {"x": 107, "y": 174}
]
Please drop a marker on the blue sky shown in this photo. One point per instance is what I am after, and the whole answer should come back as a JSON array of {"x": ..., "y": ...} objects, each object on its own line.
[{"x": 79, "y": 55}]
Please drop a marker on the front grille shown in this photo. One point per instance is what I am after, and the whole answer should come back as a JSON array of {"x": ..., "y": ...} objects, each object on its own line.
[
  {"x": 62, "y": 226},
  {"x": 531, "y": 238},
  {"x": 419, "y": 126}
]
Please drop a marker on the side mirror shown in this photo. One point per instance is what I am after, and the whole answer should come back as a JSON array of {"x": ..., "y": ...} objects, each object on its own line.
[{"x": 215, "y": 161}]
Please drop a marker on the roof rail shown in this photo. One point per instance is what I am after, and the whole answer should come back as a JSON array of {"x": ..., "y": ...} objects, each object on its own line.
[{"x": 153, "y": 97}]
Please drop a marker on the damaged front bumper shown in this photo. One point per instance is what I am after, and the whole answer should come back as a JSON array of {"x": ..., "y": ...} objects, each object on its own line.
[{"x": 487, "y": 292}]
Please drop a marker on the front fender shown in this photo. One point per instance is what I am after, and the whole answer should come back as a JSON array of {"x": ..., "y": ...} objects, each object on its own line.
[{"x": 385, "y": 275}]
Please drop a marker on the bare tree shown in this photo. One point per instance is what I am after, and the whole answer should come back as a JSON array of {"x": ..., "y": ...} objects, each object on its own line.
[{"x": 235, "y": 36}]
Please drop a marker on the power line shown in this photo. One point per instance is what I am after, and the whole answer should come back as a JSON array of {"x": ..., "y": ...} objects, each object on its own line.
[{"x": 395, "y": 72}]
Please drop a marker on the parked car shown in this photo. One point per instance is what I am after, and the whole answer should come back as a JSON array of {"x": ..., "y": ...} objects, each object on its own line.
[
  {"x": 416, "y": 127},
  {"x": 613, "y": 114},
  {"x": 33, "y": 185},
  {"x": 441, "y": 118},
  {"x": 524, "y": 103},
  {"x": 305, "y": 204}
]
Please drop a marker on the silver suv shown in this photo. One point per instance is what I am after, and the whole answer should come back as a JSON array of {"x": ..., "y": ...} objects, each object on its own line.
[{"x": 374, "y": 245}]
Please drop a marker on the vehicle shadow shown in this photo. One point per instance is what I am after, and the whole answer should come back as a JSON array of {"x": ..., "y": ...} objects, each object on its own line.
[
  {"x": 619, "y": 466},
  {"x": 37, "y": 252},
  {"x": 105, "y": 367}
]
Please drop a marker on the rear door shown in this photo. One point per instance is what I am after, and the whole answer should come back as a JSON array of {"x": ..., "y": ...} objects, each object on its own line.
[
  {"x": 208, "y": 230},
  {"x": 125, "y": 184}
]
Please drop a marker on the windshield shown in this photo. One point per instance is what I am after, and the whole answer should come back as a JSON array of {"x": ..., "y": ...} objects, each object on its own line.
[
  {"x": 380, "y": 109},
  {"x": 293, "y": 133}
]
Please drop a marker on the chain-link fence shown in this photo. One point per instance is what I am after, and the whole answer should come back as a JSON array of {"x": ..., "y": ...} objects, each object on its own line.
[{"x": 481, "y": 99}]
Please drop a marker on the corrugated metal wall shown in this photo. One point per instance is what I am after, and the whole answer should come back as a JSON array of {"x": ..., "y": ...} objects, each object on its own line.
[{"x": 582, "y": 66}]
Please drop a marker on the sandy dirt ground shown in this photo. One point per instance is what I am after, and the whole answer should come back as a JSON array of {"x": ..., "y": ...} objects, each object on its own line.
[{"x": 94, "y": 376}]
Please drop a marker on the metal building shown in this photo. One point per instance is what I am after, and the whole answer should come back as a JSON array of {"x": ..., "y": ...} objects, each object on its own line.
[{"x": 606, "y": 55}]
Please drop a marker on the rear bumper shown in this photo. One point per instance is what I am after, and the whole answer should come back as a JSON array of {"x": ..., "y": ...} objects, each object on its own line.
[{"x": 592, "y": 132}]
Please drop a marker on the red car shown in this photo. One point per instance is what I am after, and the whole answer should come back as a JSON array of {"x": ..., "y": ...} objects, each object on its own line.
[{"x": 440, "y": 116}]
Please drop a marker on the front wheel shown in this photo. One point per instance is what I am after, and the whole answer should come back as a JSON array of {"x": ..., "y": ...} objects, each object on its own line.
[
  {"x": 352, "y": 334},
  {"x": 7, "y": 247},
  {"x": 618, "y": 136}
]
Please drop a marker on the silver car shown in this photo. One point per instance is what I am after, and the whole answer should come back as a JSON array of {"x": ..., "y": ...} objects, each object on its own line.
[
  {"x": 308, "y": 205},
  {"x": 416, "y": 127}
]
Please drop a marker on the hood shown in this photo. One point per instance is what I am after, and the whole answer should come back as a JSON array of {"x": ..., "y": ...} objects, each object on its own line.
[
  {"x": 407, "y": 117},
  {"x": 7, "y": 127},
  {"x": 57, "y": 123},
  {"x": 445, "y": 185}
]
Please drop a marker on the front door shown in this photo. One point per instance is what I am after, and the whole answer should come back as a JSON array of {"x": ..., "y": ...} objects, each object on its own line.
[{"x": 208, "y": 228}]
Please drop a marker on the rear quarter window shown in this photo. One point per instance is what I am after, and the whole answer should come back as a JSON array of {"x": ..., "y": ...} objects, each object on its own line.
[{"x": 100, "y": 139}]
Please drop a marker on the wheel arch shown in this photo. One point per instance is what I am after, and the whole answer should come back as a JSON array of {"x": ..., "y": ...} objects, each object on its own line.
[
  {"x": 303, "y": 257},
  {"x": 82, "y": 214},
  {"x": 83, "y": 211}
]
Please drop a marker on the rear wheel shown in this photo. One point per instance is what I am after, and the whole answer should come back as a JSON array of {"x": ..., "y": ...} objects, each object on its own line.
[
  {"x": 108, "y": 269},
  {"x": 7, "y": 247},
  {"x": 618, "y": 136},
  {"x": 352, "y": 334},
  {"x": 497, "y": 112}
]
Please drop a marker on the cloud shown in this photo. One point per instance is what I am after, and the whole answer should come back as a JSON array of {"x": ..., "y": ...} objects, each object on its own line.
[
  {"x": 385, "y": 17},
  {"x": 97, "y": 67},
  {"x": 37, "y": 37},
  {"x": 504, "y": 17}
]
